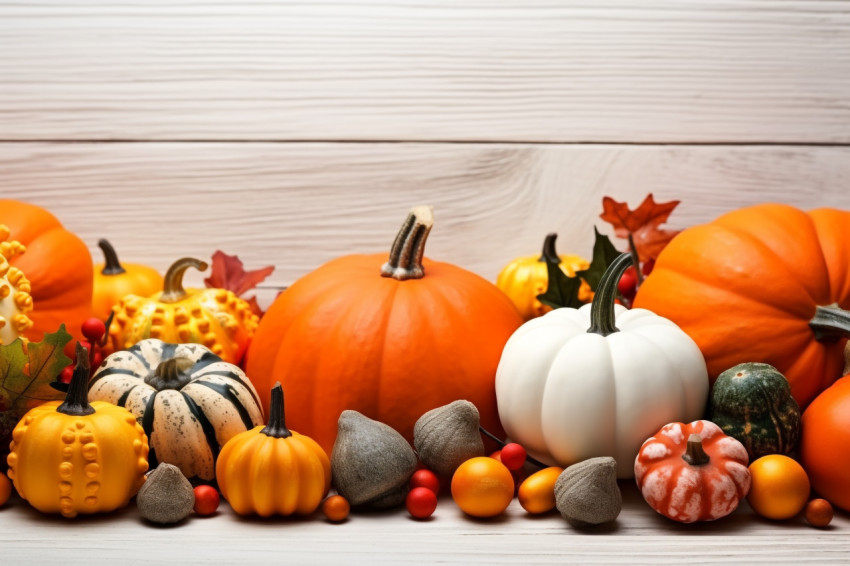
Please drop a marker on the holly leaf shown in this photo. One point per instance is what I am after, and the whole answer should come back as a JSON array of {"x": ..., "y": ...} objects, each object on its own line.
[
  {"x": 229, "y": 273},
  {"x": 26, "y": 372},
  {"x": 604, "y": 253},
  {"x": 562, "y": 290},
  {"x": 641, "y": 226}
]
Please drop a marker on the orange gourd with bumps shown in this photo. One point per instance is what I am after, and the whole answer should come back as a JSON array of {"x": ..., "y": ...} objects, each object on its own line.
[
  {"x": 765, "y": 284},
  {"x": 390, "y": 342}
]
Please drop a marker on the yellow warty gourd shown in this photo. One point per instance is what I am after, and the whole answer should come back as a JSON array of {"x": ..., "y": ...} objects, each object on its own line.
[{"x": 15, "y": 299}]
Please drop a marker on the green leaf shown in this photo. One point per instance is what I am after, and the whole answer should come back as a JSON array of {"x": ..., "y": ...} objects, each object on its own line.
[
  {"x": 562, "y": 290},
  {"x": 46, "y": 360},
  {"x": 604, "y": 253}
]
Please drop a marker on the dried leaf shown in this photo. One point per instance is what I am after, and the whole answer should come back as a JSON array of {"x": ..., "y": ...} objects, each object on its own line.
[
  {"x": 229, "y": 273},
  {"x": 27, "y": 373},
  {"x": 642, "y": 224}
]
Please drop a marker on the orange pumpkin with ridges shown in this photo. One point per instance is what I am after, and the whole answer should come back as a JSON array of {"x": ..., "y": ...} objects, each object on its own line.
[
  {"x": 765, "y": 284},
  {"x": 391, "y": 342}
]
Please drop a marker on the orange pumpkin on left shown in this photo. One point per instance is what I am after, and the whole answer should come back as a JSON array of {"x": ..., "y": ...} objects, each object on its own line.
[{"x": 58, "y": 265}]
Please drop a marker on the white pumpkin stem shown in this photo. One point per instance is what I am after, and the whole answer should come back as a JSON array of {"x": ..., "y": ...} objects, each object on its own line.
[
  {"x": 76, "y": 401},
  {"x": 409, "y": 246},
  {"x": 172, "y": 288},
  {"x": 695, "y": 453},
  {"x": 550, "y": 255},
  {"x": 602, "y": 319},
  {"x": 111, "y": 264},
  {"x": 830, "y": 323}
]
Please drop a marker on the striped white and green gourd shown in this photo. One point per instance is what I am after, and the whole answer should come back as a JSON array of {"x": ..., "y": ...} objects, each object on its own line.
[{"x": 188, "y": 400}]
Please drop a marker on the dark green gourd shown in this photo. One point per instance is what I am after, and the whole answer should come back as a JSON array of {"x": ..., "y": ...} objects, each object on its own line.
[{"x": 752, "y": 402}]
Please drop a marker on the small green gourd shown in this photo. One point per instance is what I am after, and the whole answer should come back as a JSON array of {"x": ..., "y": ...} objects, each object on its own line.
[{"x": 752, "y": 403}]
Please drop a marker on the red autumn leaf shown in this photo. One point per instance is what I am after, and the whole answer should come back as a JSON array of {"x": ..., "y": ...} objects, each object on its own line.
[
  {"x": 229, "y": 273},
  {"x": 642, "y": 224}
]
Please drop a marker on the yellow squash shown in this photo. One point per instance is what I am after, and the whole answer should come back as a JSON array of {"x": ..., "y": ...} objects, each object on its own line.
[
  {"x": 526, "y": 277},
  {"x": 216, "y": 318},
  {"x": 272, "y": 470},
  {"x": 15, "y": 299},
  {"x": 114, "y": 281},
  {"x": 76, "y": 457}
]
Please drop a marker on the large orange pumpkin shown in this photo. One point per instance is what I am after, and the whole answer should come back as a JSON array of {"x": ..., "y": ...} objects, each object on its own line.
[
  {"x": 761, "y": 284},
  {"x": 825, "y": 443},
  {"x": 391, "y": 342},
  {"x": 58, "y": 265}
]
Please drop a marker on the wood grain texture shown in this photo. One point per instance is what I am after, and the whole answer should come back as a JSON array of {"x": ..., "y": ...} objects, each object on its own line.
[
  {"x": 475, "y": 70},
  {"x": 639, "y": 536},
  {"x": 296, "y": 206}
]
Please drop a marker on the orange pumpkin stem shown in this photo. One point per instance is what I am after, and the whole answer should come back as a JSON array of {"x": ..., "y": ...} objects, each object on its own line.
[
  {"x": 549, "y": 254},
  {"x": 409, "y": 246},
  {"x": 172, "y": 288},
  {"x": 76, "y": 401},
  {"x": 694, "y": 453},
  {"x": 277, "y": 420},
  {"x": 830, "y": 323},
  {"x": 602, "y": 320},
  {"x": 111, "y": 266}
]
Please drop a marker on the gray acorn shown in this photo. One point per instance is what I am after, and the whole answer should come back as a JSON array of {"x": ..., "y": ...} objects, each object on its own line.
[
  {"x": 587, "y": 493},
  {"x": 371, "y": 463},
  {"x": 448, "y": 436},
  {"x": 166, "y": 496}
]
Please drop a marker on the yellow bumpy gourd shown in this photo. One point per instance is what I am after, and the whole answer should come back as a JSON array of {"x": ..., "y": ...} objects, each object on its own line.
[
  {"x": 74, "y": 457},
  {"x": 15, "y": 299}
]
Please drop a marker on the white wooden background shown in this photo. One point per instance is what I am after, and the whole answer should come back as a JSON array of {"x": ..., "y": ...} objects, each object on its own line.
[{"x": 291, "y": 132}]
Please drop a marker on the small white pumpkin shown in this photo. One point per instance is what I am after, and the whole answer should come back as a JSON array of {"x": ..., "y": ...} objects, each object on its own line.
[
  {"x": 188, "y": 400},
  {"x": 597, "y": 381}
]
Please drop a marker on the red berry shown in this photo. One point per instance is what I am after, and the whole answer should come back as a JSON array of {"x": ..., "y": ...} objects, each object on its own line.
[
  {"x": 513, "y": 456},
  {"x": 66, "y": 374},
  {"x": 627, "y": 285},
  {"x": 421, "y": 502},
  {"x": 206, "y": 500},
  {"x": 647, "y": 266},
  {"x": 426, "y": 479},
  {"x": 93, "y": 330},
  {"x": 97, "y": 358}
]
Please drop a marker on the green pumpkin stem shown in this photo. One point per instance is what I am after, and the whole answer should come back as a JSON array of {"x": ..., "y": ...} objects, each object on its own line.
[
  {"x": 830, "y": 323},
  {"x": 602, "y": 319},
  {"x": 549, "y": 254},
  {"x": 172, "y": 288},
  {"x": 694, "y": 453},
  {"x": 277, "y": 420},
  {"x": 409, "y": 246},
  {"x": 111, "y": 266},
  {"x": 77, "y": 400}
]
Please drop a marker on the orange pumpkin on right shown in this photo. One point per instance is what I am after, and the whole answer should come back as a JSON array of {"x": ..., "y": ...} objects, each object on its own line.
[{"x": 767, "y": 283}]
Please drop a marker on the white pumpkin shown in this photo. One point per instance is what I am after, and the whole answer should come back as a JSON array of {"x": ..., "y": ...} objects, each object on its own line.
[
  {"x": 567, "y": 392},
  {"x": 188, "y": 400}
]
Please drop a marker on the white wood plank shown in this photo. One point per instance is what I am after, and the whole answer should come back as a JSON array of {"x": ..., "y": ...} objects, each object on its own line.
[
  {"x": 639, "y": 536},
  {"x": 296, "y": 206},
  {"x": 479, "y": 70}
]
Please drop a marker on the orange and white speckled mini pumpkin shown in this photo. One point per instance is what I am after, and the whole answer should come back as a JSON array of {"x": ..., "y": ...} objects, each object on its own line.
[{"x": 692, "y": 472}]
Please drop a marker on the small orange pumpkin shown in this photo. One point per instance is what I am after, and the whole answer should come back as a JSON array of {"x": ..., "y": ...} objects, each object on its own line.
[
  {"x": 58, "y": 265},
  {"x": 692, "y": 472},
  {"x": 113, "y": 281},
  {"x": 216, "y": 318},
  {"x": 272, "y": 470},
  {"x": 767, "y": 284},
  {"x": 390, "y": 342}
]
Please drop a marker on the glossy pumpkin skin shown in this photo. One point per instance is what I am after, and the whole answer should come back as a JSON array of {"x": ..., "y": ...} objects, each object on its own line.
[
  {"x": 825, "y": 443},
  {"x": 567, "y": 394},
  {"x": 58, "y": 265},
  {"x": 344, "y": 337},
  {"x": 686, "y": 492},
  {"x": 78, "y": 463},
  {"x": 190, "y": 402},
  {"x": 265, "y": 473},
  {"x": 215, "y": 318},
  {"x": 752, "y": 403},
  {"x": 113, "y": 281},
  {"x": 526, "y": 277},
  {"x": 746, "y": 285}
]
